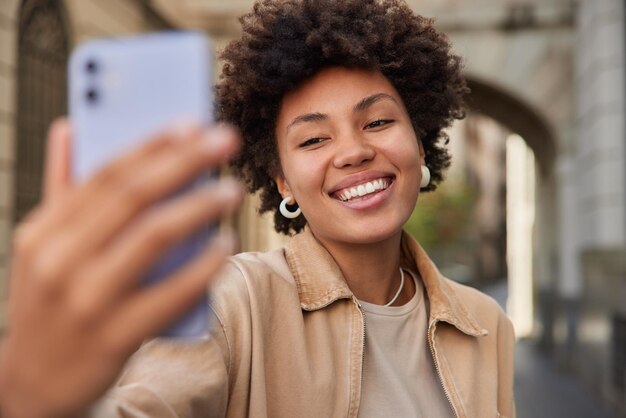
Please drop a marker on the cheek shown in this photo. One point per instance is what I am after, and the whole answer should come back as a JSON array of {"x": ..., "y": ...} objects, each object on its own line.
[
  {"x": 305, "y": 176},
  {"x": 407, "y": 157},
  {"x": 404, "y": 152}
]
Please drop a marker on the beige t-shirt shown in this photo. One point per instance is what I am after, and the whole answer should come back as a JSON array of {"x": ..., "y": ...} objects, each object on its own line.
[{"x": 399, "y": 376}]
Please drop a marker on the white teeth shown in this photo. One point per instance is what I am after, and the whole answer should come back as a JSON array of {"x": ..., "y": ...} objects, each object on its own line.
[{"x": 364, "y": 189}]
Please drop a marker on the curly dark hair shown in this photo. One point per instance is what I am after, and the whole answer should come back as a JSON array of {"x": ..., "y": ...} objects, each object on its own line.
[{"x": 285, "y": 42}]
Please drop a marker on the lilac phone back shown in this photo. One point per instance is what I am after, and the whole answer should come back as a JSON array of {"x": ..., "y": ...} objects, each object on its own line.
[{"x": 122, "y": 91}]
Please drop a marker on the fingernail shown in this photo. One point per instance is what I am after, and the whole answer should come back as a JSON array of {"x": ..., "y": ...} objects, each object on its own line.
[
  {"x": 226, "y": 240},
  {"x": 229, "y": 189},
  {"x": 184, "y": 130},
  {"x": 218, "y": 138}
]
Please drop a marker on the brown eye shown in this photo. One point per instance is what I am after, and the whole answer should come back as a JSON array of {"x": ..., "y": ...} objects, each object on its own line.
[
  {"x": 311, "y": 141},
  {"x": 378, "y": 123}
]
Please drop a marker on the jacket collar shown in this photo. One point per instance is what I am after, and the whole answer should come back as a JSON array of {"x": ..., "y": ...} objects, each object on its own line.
[{"x": 320, "y": 281}]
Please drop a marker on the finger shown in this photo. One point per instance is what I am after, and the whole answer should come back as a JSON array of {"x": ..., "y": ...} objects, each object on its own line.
[
  {"x": 102, "y": 282},
  {"x": 43, "y": 223},
  {"x": 158, "y": 306},
  {"x": 101, "y": 209},
  {"x": 140, "y": 184},
  {"x": 183, "y": 151},
  {"x": 57, "y": 170},
  {"x": 136, "y": 180}
]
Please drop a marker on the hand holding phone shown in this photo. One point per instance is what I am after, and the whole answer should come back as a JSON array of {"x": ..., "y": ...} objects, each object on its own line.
[{"x": 75, "y": 310}]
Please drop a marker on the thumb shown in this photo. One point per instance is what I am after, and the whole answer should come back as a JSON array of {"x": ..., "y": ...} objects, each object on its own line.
[{"x": 57, "y": 171}]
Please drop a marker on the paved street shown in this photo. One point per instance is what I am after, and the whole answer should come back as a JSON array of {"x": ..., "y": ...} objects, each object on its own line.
[{"x": 541, "y": 389}]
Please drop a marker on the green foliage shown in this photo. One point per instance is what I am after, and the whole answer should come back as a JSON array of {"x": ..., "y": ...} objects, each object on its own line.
[{"x": 442, "y": 219}]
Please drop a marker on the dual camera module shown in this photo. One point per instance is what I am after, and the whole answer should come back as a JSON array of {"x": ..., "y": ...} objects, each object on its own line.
[{"x": 91, "y": 94}]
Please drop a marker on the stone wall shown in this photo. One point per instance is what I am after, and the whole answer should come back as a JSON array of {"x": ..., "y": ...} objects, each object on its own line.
[
  {"x": 601, "y": 351},
  {"x": 593, "y": 204},
  {"x": 600, "y": 147}
]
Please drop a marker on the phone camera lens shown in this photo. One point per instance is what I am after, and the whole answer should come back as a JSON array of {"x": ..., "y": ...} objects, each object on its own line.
[
  {"x": 91, "y": 66},
  {"x": 92, "y": 95}
]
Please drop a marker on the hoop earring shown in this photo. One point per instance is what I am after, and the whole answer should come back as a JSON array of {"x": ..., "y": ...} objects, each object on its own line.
[
  {"x": 286, "y": 212},
  {"x": 425, "y": 177}
]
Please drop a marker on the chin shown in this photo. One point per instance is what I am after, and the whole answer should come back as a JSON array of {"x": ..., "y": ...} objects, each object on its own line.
[{"x": 368, "y": 234}]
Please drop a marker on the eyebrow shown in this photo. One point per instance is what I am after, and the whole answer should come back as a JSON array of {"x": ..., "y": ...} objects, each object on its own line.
[
  {"x": 359, "y": 107},
  {"x": 307, "y": 117},
  {"x": 370, "y": 100}
]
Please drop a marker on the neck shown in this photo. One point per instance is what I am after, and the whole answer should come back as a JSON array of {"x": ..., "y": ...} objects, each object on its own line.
[{"x": 371, "y": 270}]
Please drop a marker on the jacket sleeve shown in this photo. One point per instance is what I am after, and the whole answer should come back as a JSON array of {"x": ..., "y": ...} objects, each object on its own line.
[
  {"x": 170, "y": 379},
  {"x": 506, "y": 367}
]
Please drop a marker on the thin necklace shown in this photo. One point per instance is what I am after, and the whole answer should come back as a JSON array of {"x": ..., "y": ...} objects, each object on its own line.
[{"x": 399, "y": 290}]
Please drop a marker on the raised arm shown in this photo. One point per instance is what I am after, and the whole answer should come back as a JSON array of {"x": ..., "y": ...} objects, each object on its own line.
[{"x": 76, "y": 312}]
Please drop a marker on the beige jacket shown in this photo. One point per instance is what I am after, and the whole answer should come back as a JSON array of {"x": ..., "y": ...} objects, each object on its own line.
[{"x": 289, "y": 342}]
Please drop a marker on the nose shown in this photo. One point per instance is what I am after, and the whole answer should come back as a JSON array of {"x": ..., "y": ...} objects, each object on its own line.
[{"x": 353, "y": 151}]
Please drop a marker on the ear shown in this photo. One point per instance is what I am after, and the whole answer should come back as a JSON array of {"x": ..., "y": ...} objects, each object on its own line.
[
  {"x": 422, "y": 153},
  {"x": 283, "y": 187}
]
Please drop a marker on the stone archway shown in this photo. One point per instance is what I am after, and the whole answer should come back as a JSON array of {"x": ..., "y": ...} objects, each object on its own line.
[
  {"x": 523, "y": 120},
  {"x": 517, "y": 116},
  {"x": 43, "y": 48}
]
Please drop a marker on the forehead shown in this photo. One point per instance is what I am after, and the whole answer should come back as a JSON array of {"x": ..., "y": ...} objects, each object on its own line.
[{"x": 332, "y": 90}]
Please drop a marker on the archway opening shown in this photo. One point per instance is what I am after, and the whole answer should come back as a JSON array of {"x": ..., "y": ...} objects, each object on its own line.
[{"x": 536, "y": 287}]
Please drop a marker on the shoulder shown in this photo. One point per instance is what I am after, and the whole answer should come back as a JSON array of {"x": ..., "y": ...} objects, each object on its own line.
[
  {"x": 250, "y": 287},
  {"x": 474, "y": 299},
  {"x": 255, "y": 265},
  {"x": 246, "y": 272},
  {"x": 250, "y": 280},
  {"x": 483, "y": 308}
]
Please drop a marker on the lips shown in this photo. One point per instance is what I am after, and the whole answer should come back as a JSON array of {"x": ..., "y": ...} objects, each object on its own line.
[
  {"x": 361, "y": 188},
  {"x": 364, "y": 189}
]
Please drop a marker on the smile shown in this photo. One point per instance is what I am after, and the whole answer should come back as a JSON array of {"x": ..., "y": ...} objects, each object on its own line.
[{"x": 363, "y": 190}]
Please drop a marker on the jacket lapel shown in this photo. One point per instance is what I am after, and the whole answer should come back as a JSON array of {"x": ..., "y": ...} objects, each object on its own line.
[{"x": 444, "y": 302}]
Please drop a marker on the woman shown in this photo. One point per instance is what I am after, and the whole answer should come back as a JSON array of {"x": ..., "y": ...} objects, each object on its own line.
[{"x": 341, "y": 107}]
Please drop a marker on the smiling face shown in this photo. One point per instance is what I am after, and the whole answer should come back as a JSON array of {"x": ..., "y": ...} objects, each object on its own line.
[{"x": 349, "y": 155}]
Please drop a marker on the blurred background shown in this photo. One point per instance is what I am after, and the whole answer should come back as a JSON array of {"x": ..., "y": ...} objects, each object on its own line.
[{"x": 534, "y": 208}]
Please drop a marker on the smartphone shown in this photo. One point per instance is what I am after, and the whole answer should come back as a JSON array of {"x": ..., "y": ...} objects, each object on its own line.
[{"x": 124, "y": 90}]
